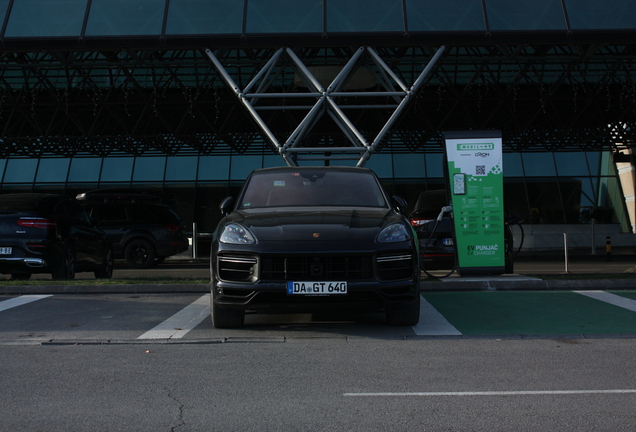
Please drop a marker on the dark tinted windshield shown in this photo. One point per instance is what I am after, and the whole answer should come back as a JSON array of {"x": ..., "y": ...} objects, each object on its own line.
[{"x": 306, "y": 187}]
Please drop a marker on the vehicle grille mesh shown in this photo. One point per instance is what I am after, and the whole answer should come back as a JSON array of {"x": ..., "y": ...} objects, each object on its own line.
[{"x": 332, "y": 268}]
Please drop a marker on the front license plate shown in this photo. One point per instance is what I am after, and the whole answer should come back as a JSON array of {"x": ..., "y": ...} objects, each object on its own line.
[
  {"x": 316, "y": 288},
  {"x": 6, "y": 251}
]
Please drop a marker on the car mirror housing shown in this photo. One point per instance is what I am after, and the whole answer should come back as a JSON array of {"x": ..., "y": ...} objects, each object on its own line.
[
  {"x": 226, "y": 205},
  {"x": 399, "y": 203}
]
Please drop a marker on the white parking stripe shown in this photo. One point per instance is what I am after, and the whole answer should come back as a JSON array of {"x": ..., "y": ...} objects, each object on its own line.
[
  {"x": 611, "y": 299},
  {"x": 22, "y": 300},
  {"x": 179, "y": 324},
  {"x": 433, "y": 323},
  {"x": 499, "y": 393}
]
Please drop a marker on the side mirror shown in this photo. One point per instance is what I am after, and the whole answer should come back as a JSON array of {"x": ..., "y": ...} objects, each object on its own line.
[
  {"x": 399, "y": 203},
  {"x": 226, "y": 205}
]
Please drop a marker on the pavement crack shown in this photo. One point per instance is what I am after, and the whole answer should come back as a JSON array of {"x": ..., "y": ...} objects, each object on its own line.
[{"x": 181, "y": 411}]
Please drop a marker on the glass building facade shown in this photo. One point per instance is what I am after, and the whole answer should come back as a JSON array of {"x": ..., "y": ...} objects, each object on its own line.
[{"x": 544, "y": 188}]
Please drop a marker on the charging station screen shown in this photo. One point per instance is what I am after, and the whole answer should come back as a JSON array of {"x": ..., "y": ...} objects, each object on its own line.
[{"x": 475, "y": 173}]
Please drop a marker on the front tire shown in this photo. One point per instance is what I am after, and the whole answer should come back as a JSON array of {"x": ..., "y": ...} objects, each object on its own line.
[
  {"x": 225, "y": 319},
  {"x": 140, "y": 254},
  {"x": 408, "y": 316}
]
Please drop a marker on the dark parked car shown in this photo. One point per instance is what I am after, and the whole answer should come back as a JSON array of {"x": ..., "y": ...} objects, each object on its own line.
[
  {"x": 46, "y": 233},
  {"x": 437, "y": 249},
  {"x": 142, "y": 233},
  {"x": 312, "y": 238}
]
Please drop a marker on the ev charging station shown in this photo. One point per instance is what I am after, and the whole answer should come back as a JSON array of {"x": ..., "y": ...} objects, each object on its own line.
[{"x": 475, "y": 180}]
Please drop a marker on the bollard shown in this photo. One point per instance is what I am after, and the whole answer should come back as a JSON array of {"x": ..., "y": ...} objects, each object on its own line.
[{"x": 608, "y": 248}]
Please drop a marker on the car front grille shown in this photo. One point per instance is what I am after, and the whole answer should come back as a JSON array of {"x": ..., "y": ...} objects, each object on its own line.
[
  {"x": 333, "y": 268},
  {"x": 249, "y": 269}
]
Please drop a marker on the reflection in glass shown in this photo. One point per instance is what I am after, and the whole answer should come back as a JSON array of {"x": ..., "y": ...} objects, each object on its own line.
[
  {"x": 20, "y": 170},
  {"x": 284, "y": 16},
  {"x": 435, "y": 15},
  {"x": 521, "y": 15},
  {"x": 117, "y": 169},
  {"x": 381, "y": 164},
  {"x": 125, "y": 17},
  {"x": 43, "y": 18},
  {"x": 205, "y": 17},
  {"x": 364, "y": 16},
  {"x": 53, "y": 170},
  {"x": 606, "y": 14}
]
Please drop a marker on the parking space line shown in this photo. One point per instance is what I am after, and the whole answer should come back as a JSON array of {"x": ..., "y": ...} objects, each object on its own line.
[
  {"x": 498, "y": 393},
  {"x": 612, "y": 299},
  {"x": 179, "y": 324},
  {"x": 433, "y": 323},
  {"x": 22, "y": 300}
]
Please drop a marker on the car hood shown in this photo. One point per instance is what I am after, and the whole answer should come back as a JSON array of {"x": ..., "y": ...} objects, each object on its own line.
[{"x": 335, "y": 224}]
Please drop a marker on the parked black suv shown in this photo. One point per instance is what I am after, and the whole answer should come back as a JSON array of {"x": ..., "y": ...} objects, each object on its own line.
[
  {"x": 142, "y": 233},
  {"x": 47, "y": 233}
]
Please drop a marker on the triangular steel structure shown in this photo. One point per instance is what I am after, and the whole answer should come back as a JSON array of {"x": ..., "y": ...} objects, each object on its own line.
[{"x": 291, "y": 150}]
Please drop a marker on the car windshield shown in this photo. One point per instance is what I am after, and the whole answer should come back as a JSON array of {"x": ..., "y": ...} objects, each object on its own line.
[{"x": 302, "y": 187}]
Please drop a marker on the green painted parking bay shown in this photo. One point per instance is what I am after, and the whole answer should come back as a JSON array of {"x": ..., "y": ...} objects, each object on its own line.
[{"x": 532, "y": 313}]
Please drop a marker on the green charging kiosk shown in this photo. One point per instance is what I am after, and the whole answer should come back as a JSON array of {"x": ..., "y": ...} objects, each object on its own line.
[{"x": 475, "y": 186}]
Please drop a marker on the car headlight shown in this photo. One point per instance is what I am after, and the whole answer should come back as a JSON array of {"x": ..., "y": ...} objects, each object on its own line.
[
  {"x": 236, "y": 234},
  {"x": 395, "y": 232}
]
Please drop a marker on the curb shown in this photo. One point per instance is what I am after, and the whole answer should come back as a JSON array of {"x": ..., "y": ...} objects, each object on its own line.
[{"x": 473, "y": 284}]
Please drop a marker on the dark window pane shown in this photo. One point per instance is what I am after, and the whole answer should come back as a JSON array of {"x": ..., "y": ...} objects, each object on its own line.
[
  {"x": 521, "y": 15},
  {"x": 117, "y": 169},
  {"x": 512, "y": 165},
  {"x": 364, "y": 16},
  {"x": 435, "y": 165},
  {"x": 242, "y": 166},
  {"x": 149, "y": 168},
  {"x": 31, "y": 18},
  {"x": 571, "y": 164},
  {"x": 138, "y": 214},
  {"x": 380, "y": 164},
  {"x": 125, "y": 17},
  {"x": 447, "y": 15},
  {"x": 182, "y": 168},
  {"x": 545, "y": 201},
  {"x": 606, "y": 14},
  {"x": 204, "y": 16},
  {"x": 85, "y": 169},
  {"x": 409, "y": 165},
  {"x": 284, "y": 16},
  {"x": 3, "y": 9},
  {"x": 20, "y": 170},
  {"x": 53, "y": 170},
  {"x": 215, "y": 167},
  {"x": 538, "y": 164}
]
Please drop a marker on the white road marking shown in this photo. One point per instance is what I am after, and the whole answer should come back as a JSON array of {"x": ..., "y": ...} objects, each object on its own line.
[
  {"x": 433, "y": 323},
  {"x": 612, "y": 299},
  {"x": 22, "y": 300},
  {"x": 179, "y": 324},
  {"x": 497, "y": 393}
]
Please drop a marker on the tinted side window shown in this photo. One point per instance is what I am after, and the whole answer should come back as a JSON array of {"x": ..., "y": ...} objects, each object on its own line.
[
  {"x": 109, "y": 214},
  {"x": 139, "y": 214}
]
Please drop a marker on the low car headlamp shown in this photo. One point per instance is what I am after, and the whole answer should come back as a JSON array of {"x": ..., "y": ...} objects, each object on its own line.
[
  {"x": 237, "y": 234},
  {"x": 395, "y": 232}
]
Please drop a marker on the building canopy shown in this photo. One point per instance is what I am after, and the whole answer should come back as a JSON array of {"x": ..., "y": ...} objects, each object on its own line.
[{"x": 109, "y": 77}]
